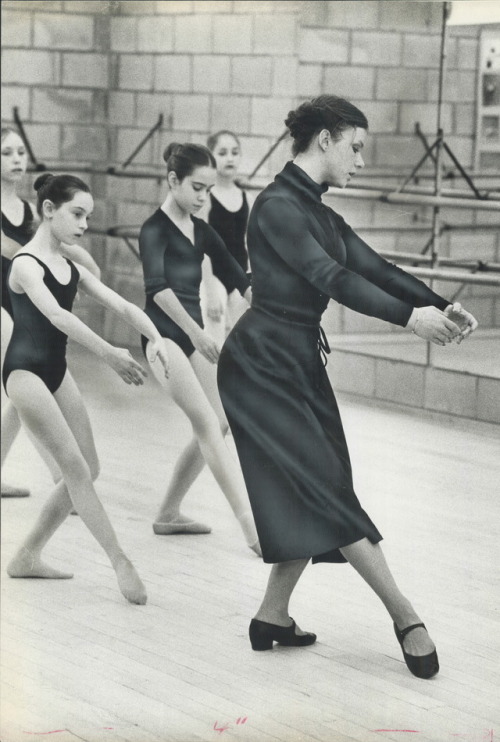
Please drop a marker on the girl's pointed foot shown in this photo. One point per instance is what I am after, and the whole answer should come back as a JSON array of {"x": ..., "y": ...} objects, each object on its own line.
[
  {"x": 29, "y": 565},
  {"x": 129, "y": 582},
  {"x": 179, "y": 524}
]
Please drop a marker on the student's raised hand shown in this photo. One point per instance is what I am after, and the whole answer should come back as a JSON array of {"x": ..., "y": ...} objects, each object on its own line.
[
  {"x": 206, "y": 346},
  {"x": 156, "y": 351},
  {"x": 432, "y": 324},
  {"x": 126, "y": 366},
  {"x": 463, "y": 319}
]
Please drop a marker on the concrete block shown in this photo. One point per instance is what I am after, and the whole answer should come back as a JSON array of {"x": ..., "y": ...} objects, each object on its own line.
[
  {"x": 401, "y": 84},
  {"x": 483, "y": 309},
  {"x": 62, "y": 106},
  {"x": 127, "y": 141},
  {"x": 123, "y": 34},
  {"x": 119, "y": 189},
  {"x": 253, "y": 150},
  {"x": 460, "y": 86},
  {"x": 173, "y": 72},
  {"x": 174, "y": 6},
  {"x": 323, "y": 45},
  {"x": 193, "y": 34},
  {"x": 121, "y": 108},
  {"x": 43, "y": 5},
  {"x": 16, "y": 29},
  {"x": 84, "y": 143},
  {"x": 331, "y": 321},
  {"x": 85, "y": 70},
  {"x": 267, "y": 6},
  {"x": 155, "y": 34},
  {"x": 230, "y": 112},
  {"x": 135, "y": 72},
  {"x": 488, "y": 400},
  {"x": 376, "y": 48},
  {"x": 350, "y": 14},
  {"x": 212, "y": 6},
  {"x": 211, "y": 73},
  {"x": 342, "y": 81},
  {"x": 268, "y": 115},
  {"x": 467, "y": 54},
  {"x": 13, "y": 95},
  {"x": 463, "y": 149},
  {"x": 90, "y": 7},
  {"x": 285, "y": 72},
  {"x": 63, "y": 31},
  {"x": 421, "y": 51},
  {"x": 309, "y": 80},
  {"x": 232, "y": 34},
  {"x": 358, "y": 214},
  {"x": 418, "y": 16},
  {"x": 191, "y": 112},
  {"x": 30, "y": 67},
  {"x": 382, "y": 116},
  {"x": 387, "y": 215},
  {"x": 451, "y": 391},
  {"x": 378, "y": 241},
  {"x": 252, "y": 75},
  {"x": 351, "y": 372},
  {"x": 150, "y": 106},
  {"x": 464, "y": 118},
  {"x": 45, "y": 140},
  {"x": 138, "y": 7},
  {"x": 426, "y": 115},
  {"x": 403, "y": 383},
  {"x": 276, "y": 35},
  {"x": 475, "y": 245},
  {"x": 99, "y": 105},
  {"x": 356, "y": 323},
  {"x": 150, "y": 192},
  {"x": 133, "y": 213}
]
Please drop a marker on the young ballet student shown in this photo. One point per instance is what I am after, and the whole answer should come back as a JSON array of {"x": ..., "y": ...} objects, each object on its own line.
[
  {"x": 173, "y": 243},
  {"x": 42, "y": 285},
  {"x": 19, "y": 221},
  {"x": 227, "y": 213}
]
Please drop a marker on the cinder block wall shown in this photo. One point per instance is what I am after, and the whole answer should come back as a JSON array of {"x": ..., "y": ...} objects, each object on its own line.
[{"x": 91, "y": 78}]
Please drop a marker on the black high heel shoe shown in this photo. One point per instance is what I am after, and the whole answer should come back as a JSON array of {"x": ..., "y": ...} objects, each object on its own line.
[
  {"x": 422, "y": 667},
  {"x": 262, "y": 635}
]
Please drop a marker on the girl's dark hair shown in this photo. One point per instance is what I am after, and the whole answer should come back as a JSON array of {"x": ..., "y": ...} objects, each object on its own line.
[
  {"x": 57, "y": 188},
  {"x": 184, "y": 158},
  {"x": 324, "y": 112},
  {"x": 214, "y": 138}
]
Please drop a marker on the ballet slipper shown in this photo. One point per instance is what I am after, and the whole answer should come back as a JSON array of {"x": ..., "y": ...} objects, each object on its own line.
[
  {"x": 247, "y": 524},
  {"x": 28, "y": 565},
  {"x": 129, "y": 582},
  {"x": 179, "y": 526},
  {"x": 8, "y": 490}
]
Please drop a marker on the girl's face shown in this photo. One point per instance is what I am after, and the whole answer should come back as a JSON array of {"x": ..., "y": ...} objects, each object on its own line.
[
  {"x": 191, "y": 193},
  {"x": 227, "y": 155},
  {"x": 343, "y": 157},
  {"x": 69, "y": 220},
  {"x": 14, "y": 158}
]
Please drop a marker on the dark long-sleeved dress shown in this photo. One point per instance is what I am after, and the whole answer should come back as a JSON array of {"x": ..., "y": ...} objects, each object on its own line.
[
  {"x": 171, "y": 261},
  {"x": 272, "y": 379}
]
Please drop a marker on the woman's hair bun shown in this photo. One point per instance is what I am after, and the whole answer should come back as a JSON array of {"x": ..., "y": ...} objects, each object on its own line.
[
  {"x": 42, "y": 180},
  {"x": 174, "y": 148}
]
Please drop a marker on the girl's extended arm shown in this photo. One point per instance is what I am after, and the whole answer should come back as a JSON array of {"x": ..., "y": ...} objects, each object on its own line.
[{"x": 79, "y": 255}]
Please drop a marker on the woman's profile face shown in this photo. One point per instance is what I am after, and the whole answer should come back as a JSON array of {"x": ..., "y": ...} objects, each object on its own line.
[
  {"x": 14, "y": 157},
  {"x": 227, "y": 155},
  {"x": 192, "y": 192},
  {"x": 69, "y": 220},
  {"x": 343, "y": 157}
]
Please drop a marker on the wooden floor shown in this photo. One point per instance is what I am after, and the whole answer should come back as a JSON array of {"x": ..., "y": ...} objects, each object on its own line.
[{"x": 80, "y": 663}]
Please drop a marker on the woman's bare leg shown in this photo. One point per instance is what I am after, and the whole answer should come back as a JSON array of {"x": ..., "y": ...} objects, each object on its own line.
[
  {"x": 60, "y": 422},
  {"x": 185, "y": 389},
  {"x": 281, "y": 584},
  {"x": 369, "y": 561}
]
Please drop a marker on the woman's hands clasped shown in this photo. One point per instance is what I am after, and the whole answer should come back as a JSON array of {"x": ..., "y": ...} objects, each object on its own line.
[{"x": 441, "y": 328}]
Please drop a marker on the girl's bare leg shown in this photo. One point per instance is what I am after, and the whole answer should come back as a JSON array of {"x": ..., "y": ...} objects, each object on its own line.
[
  {"x": 60, "y": 423},
  {"x": 369, "y": 561},
  {"x": 185, "y": 389}
]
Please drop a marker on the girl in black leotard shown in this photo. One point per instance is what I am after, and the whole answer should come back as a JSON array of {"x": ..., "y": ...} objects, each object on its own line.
[
  {"x": 42, "y": 285},
  {"x": 227, "y": 213},
  {"x": 19, "y": 221},
  {"x": 173, "y": 244}
]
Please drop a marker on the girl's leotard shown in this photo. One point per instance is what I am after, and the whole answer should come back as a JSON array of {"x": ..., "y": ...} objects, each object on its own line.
[
  {"x": 36, "y": 344},
  {"x": 171, "y": 260},
  {"x": 20, "y": 234},
  {"x": 231, "y": 226}
]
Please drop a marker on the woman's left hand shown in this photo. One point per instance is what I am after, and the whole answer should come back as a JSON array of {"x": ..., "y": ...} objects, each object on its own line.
[
  {"x": 157, "y": 350},
  {"x": 463, "y": 319}
]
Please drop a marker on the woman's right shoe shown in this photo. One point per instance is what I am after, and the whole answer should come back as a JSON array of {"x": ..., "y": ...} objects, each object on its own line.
[
  {"x": 262, "y": 636},
  {"x": 422, "y": 667}
]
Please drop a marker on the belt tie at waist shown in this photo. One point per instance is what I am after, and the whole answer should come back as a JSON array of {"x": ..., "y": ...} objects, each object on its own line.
[{"x": 323, "y": 346}]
